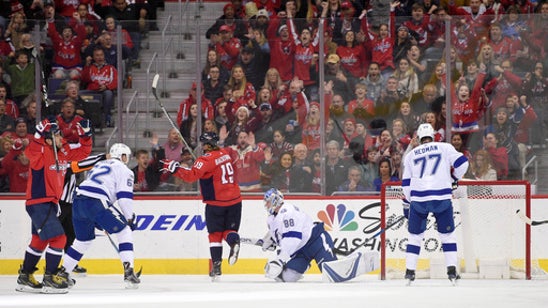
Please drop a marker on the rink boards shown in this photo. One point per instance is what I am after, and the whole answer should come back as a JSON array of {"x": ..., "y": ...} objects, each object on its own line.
[{"x": 171, "y": 236}]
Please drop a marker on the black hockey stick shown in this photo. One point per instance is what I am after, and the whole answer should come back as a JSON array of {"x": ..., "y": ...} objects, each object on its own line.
[
  {"x": 528, "y": 220},
  {"x": 154, "y": 85},
  {"x": 381, "y": 231},
  {"x": 36, "y": 56},
  {"x": 115, "y": 246}
]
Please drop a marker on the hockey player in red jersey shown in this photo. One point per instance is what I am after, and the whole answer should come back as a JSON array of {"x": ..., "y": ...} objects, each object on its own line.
[
  {"x": 45, "y": 185},
  {"x": 220, "y": 193}
]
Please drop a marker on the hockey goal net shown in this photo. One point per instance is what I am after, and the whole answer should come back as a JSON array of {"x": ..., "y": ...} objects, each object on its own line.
[{"x": 492, "y": 241}]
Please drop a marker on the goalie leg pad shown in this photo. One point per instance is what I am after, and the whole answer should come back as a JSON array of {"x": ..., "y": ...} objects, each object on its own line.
[
  {"x": 349, "y": 268},
  {"x": 290, "y": 275}
]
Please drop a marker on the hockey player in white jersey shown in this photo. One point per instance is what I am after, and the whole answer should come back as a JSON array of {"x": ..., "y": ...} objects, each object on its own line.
[
  {"x": 299, "y": 241},
  {"x": 109, "y": 181},
  {"x": 430, "y": 172}
]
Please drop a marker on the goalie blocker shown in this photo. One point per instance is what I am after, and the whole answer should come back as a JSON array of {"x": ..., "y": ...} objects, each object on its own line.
[{"x": 358, "y": 263}]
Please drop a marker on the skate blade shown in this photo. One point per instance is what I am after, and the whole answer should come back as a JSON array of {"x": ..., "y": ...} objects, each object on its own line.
[
  {"x": 131, "y": 285},
  {"x": 454, "y": 282},
  {"x": 215, "y": 278},
  {"x": 79, "y": 275},
  {"x": 234, "y": 258},
  {"x": 409, "y": 282},
  {"x": 50, "y": 290},
  {"x": 27, "y": 289}
]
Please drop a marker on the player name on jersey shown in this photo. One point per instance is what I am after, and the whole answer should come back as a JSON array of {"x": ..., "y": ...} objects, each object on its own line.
[{"x": 425, "y": 149}]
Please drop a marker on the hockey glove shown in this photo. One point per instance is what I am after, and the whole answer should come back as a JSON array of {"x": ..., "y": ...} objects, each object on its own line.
[
  {"x": 169, "y": 165},
  {"x": 84, "y": 128},
  {"x": 268, "y": 244},
  {"x": 47, "y": 126},
  {"x": 273, "y": 269},
  {"x": 132, "y": 223},
  {"x": 455, "y": 183},
  {"x": 18, "y": 144},
  {"x": 405, "y": 204}
]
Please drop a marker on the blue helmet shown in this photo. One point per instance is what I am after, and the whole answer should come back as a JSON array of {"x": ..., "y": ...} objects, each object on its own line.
[{"x": 273, "y": 199}]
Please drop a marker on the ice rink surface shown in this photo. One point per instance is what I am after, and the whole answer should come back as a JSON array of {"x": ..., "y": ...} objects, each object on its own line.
[{"x": 256, "y": 291}]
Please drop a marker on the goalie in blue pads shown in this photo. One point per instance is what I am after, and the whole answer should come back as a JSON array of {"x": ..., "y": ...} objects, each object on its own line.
[{"x": 299, "y": 241}]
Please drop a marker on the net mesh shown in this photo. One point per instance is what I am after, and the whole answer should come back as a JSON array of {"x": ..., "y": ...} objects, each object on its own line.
[{"x": 492, "y": 241}]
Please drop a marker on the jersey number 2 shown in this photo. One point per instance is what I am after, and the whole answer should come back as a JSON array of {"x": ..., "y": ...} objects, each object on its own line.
[{"x": 428, "y": 161}]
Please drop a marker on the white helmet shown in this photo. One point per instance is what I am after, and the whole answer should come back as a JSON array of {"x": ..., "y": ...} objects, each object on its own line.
[
  {"x": 425, "y": 130},
  {"x": 118, "y": 150},
  {"x": 273, "y": 199}
]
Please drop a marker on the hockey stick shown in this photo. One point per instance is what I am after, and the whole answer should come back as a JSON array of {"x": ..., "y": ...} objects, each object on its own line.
[
  {"x": 154, "y": 85},
  {"x": 138, "y": 274},
  {"x": 36, "y": 56},
  {"x": 114, "y": 245},
  {"x": 528, "y": 220},
  {"x": 255, "y": 242},
  {"x": 381, "y": 231}
]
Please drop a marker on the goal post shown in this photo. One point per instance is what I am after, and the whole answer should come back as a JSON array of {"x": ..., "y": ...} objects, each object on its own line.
[{"x": 492, "y": 241}]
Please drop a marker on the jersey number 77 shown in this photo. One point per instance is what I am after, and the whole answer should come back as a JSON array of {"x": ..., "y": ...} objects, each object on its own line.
[{"x": 431, "y": 162}]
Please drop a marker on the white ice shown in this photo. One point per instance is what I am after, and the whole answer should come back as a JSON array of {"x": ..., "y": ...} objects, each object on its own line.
[{"x": 256, "y": 291}]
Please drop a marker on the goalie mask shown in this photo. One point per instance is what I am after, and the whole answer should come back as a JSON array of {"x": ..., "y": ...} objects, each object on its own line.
[
  {"x": 273, "y": 199},
  {"x": 425, "y": 130},
  {"x": 118, "y": 150}
]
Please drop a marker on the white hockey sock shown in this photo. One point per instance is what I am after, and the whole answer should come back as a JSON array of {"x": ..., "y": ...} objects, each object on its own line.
[
  {"x": 125, "y": 239},
  {"x": 413, "y": 250},
  {"x": 74, "y": 254},
  {"x": 449, "y": 244}
]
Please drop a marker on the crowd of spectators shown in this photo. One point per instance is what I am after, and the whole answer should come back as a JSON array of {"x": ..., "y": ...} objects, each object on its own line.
[
  {"x": 384, "y": 75},
  {"x": 385, "y": 72},
  {"x": 77, "y": 48}
]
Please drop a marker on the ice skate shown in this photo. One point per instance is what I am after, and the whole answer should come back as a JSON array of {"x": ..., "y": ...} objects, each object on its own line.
[
  {"x": 79, "y": 271},
  {"x": 130, "y": 277},
  {"x": 64, "y": 274},
  {"x": 234, "y": 251},
  {"x": 54, "y": 283},
  {"x": 452, "y": 275},
  {"x": 215, "y": 270},
  {"x": 409, "y": 276},
  {"x": 27, "y": 283}
]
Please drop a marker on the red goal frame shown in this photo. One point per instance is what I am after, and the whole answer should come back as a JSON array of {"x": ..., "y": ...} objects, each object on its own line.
[{"x": 462, "y": 183}]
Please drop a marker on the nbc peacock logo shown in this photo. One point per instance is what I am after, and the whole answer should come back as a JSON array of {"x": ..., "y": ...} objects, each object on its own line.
[{"x": 338, "y": 218}]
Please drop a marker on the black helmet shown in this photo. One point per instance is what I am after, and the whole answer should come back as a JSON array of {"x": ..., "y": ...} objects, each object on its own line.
[{"x": 209, "y": 138}]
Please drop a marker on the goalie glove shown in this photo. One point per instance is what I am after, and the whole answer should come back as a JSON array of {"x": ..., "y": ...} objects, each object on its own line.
[
  {"x": 405, "y": 204},
  {"x": 268, "y": 243},
  {"x": 273, "y": 269},
  {"x": 169, "y": 165}
]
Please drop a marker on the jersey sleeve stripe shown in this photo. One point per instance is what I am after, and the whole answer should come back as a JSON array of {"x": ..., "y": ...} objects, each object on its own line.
[
  {"x": 461, "y": 160},
  {"x": 405, "y": 182},
  {"x": 124, "y": 194}
]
